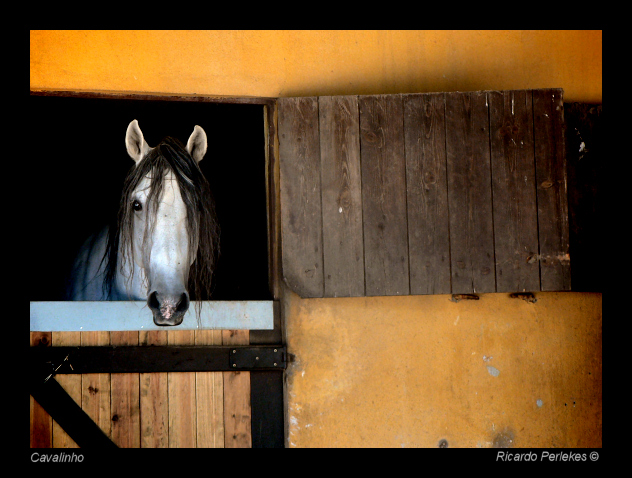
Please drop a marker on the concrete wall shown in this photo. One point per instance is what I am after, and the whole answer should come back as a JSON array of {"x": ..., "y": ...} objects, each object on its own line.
[{"x": 406, "y": 371}]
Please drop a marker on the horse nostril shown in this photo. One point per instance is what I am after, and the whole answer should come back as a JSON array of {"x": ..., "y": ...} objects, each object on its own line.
[
  {"x": 152, "y": 301},
  {"x": 168, "y": 309},
  {"x": 183, "y": 304}
]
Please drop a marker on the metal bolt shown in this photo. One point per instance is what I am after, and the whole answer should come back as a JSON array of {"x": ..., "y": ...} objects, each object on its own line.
[
  {"x": 275, "y": 350},
  {"x": 234, "y": 351},
  {"x": 234, "y": 365},
  {"x": 256, "y": 358},
  {"x": 275, "y": 364}
]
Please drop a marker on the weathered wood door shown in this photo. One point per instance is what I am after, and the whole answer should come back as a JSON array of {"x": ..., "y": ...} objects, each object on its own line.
[
  {"x": 153, "y": 410},
  {"x": 424, "y": 193}
]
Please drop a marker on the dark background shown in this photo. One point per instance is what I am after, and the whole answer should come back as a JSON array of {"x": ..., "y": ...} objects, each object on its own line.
[{"x": 78, "y": 161}]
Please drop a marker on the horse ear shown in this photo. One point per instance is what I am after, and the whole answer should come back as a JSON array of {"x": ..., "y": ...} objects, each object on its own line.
[
  {"x": 135, "y": 143},
  {"x": 196, "y": 146}
]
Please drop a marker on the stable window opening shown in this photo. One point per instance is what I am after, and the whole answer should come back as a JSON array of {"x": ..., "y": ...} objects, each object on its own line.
[{"x": 79, "y": 162}]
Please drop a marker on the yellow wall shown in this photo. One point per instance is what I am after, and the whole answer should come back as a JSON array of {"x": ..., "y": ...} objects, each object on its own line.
[
  {"x": 279, "y": 63},
  {"x": 411, "y": 371},
  {"x": 405, "y": 371}
]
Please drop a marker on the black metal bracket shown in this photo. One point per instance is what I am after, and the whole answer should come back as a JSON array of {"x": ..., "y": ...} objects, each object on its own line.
[{"x": 255, "y": 358}]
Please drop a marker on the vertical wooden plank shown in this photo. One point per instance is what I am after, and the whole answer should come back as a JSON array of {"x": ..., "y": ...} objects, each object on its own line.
[
  {"x": 182, "y": 407},
  {"x": 209, "y": 391},
  {"x": 95, "y": 387},
  {"x": 469, "y": 193},
  {"x": 384, "y": 195},
  {"x": 343, "y": 247},
  {"x": 125, "y": 399},
  {"x": 427, "y": 194},
  {"x": 41, "y": 429},
  {"x": 273, "y": 195},
  {"x": 513, "y": 190},
  {"x": 70, "y": 383},
  {"x": 550, "y": 160},
  {"x": 237, "y": 410},
  {"x": 154, "y": 400},
  {"x": 301, "y": 218}
]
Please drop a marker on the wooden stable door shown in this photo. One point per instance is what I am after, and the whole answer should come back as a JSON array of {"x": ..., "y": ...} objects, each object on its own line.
[
  {"x": 434, "y": 193},
  {"x": 184, "y": 409},
  {"x": 153, "y": 410}
]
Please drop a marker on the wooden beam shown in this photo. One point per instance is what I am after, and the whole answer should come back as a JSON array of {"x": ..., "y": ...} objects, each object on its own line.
[
  {"x": 209, "y": 399},
  {"x": 125, "y": 399},
  {"x": 154, "y": 402},
  {"x": 70, "y": 383},
  {"x": 96, "y": 387},
  {"x": 514, "y": 191},
  {"x": 41, "y": 435},
  {"x": 343, "y": 242},
  {"x": 384, "y": 195},
  {"x": 550, "y": 161},
  {"x": 427, "y": 194},
  {"x": 470, "y": 193},
  {"x": 129, "y": 95},
  {"x": 301, "y": 218},
  {"x": 237, "y": 405},
  {"x": 182, "y": 398}
]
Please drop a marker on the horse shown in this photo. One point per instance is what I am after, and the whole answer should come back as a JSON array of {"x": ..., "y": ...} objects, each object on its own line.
[{"x": 164, "y": 243}]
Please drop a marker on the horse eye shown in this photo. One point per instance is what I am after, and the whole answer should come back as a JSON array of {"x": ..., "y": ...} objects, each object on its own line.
[{"x": 137, "y": 206}]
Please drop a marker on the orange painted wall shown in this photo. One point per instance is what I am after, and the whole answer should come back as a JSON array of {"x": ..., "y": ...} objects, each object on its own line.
[
  {"x": 411, "y": 371},
  {"x": 397, "y": 371},
  {"x": 298, "y": 63}
]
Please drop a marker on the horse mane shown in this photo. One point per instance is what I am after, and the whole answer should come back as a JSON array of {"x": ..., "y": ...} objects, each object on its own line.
[{"x": 202, "y": 225}]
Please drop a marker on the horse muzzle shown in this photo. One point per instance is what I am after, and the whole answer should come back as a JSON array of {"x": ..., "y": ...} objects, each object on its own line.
[{"x": 168, "y": 309}]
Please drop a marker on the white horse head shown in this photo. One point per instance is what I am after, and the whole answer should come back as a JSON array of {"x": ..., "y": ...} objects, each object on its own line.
[
  {"x": 165, "y": 225},
  {"x": 164, "y": 245}
]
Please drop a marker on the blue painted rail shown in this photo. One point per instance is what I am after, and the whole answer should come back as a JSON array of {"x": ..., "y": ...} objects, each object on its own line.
[{"x": 84, "y": 316}]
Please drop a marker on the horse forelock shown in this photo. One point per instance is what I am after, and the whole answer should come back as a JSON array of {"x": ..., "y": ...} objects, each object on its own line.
[{"x": 202, "y": 227}]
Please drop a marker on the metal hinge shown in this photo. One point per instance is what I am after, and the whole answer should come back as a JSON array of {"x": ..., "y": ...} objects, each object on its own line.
[{"x": 258, "y": 357}]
